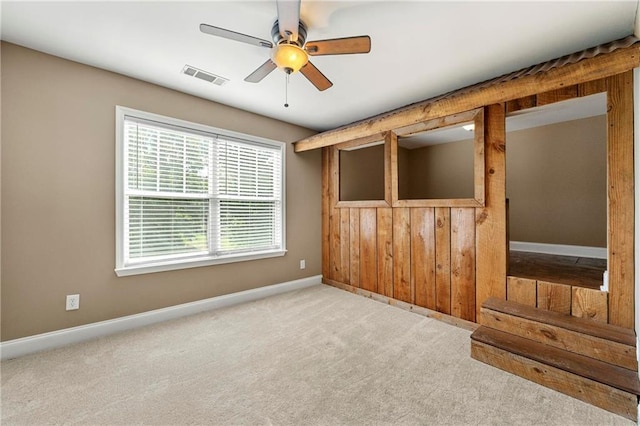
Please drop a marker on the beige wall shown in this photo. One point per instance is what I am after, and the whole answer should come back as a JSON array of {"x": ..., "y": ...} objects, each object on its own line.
[
  {"x": 58, "y": 197},
  {"x": 556, "y": 183},
  {"x": 362, "y": 174},
  {"x": 443, "y": 171}
]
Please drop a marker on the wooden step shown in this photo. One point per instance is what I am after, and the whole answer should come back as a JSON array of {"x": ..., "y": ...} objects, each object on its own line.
[
  {"x": 604, "y": 342},
  {"x": 604, "y": 385}
]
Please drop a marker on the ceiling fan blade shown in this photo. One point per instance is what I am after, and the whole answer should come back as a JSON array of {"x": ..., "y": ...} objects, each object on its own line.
[
  {"x": 339, "y": 46},
  {"x": 314, "y": 75},
  {"x": 232, "y": 35},
  {"x": 262, "y": 71},
  {"x": 289, "y": 18}
]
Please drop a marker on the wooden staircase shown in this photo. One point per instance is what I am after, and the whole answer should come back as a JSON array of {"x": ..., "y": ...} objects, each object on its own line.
[{"x": 592, "y": 361}]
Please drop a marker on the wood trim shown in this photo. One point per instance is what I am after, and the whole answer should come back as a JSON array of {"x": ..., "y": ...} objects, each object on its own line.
[
  {"x": 601, "y": 66},
  {"x": 620, "y": 196},
  {"x": 362, "y": 141},
  {"x": 361, "y": 204},
  {"x": 477, "y": 115},
  {"x": 326, "y": 236},
  {"x": 436, "y": 123},
  {"x": 467, "y": 325},
  {"x": 390, "y": 141}
]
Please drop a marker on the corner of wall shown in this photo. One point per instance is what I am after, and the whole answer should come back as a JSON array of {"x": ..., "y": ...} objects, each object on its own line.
[{"x": 636, "y": 28}]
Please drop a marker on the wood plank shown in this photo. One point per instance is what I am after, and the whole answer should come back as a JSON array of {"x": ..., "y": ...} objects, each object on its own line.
[
  {"x": 491, "y": 220},
  {"x": 463, "y": 264},
  {"x": 579, "y": 325},
  {"x": 478, "y": 158},
  {"x": 592, "y": 87},
  {"x": 385, "y": 252},
  {"x": 467, "y": 325},
  {"x": 521, "y": 290},
  {"x": 368, "y": 250},
  {"x": 554, "y": 297},
  {"x": 402, "y": 289},
  {"x": 521, "y": 103},
  {"x": 602, "y": 372},
  {"x": 588, "y": 69},
  {"x": 557, "y": 95},
  {"x": 354, "y": 247},
  {"x": 335, "y": 260},
  {"x": 439, "y": 202},
  {"x": 620, "y": 199},
  {"x": 584, "y": 344},
  {"x": 345, "y": 246},
  {"x": 588, "y": 303},
  {"x": 603, "y": 396},
  {"x": 369, "y": 139},
  {"x": 423, "y": 256},
  {"x": 390, "y": 141},
  {"x": 326, "y": 232},
  {"x": 394, "y": 180},
  {"x": 362, "y": 204},
  {"x": 443, "y": 260}
]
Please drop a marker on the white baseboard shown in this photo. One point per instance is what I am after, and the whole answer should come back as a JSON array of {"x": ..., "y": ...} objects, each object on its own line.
[
  {"x": 559, "y": 249},
  {"x": 27, "y": 345}
]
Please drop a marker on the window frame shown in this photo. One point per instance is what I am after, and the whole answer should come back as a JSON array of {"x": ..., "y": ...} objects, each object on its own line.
[{"x": 125, "y": 268}]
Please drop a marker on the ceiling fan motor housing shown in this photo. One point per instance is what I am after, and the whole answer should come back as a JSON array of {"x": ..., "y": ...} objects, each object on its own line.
[{"x": 278, "y": 38}]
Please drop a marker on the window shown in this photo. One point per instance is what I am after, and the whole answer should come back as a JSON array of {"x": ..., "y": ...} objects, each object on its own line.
[{"x": 191, "y": 195}]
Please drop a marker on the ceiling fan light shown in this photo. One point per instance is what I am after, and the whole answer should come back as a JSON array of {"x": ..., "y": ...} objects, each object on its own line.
[{"x": 289, "y": 57}]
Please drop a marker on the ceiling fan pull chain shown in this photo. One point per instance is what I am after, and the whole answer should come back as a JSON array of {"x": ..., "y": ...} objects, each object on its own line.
[{"x": 286, "y": 91}]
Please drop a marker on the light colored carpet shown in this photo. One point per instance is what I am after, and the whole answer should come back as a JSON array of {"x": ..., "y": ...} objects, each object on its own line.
[{"x": 318, "y": 356}]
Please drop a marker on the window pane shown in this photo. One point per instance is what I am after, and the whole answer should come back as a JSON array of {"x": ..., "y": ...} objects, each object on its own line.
[
  {"x": 160, "y": 226},
  {"x": 247, "y": 170},
  {"x": 248, "y": 225}
]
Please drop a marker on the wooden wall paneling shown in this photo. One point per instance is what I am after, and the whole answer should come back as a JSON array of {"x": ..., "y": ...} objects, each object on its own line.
[
  {"x": 368, "y": 276},
  {"x": 463, "y": 264},
  {"x": 592, "y": 87},
  {"x": 423, "y": 257},
  {"x": 620, "y": 195},
  {"x": 402, "y": 288},
  {"x": 554, "y": 297},
  {"x": 557, "y": 95},
  {"x": 335, "y": 258},
  {"x": 589, "y": 303},
  {"x": 601, "y": 66},
  {"x": 491, "y": 221},
  {"x": 443, "y": 259},
  {"x": 521, "y": 290},
  {"x": 345, "y": 247},
  {"x": 354, "y": 247},
  {"x": 385, "y": 252},
  {"x": 326, "y": 232}
]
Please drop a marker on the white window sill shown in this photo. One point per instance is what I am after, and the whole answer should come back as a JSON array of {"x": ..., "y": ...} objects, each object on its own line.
[{"x": 172, "y": 265}]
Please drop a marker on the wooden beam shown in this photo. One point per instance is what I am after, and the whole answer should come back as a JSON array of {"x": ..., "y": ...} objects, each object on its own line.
[{"x": 600, "y": 66}]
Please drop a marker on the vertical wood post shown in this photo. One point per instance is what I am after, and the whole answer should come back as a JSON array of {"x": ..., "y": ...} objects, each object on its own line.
[
  {"x": 491, "y": 228},
  {"x": 620, "y": 198}
]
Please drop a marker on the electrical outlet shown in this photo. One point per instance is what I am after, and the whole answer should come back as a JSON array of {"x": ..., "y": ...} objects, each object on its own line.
[
  {"x": 303, "y": 264},
  {"x": 73, "y": 302}
]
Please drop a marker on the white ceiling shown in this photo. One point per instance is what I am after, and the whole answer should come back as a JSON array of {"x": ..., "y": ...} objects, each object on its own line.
[{"x": 419, "y": 49}]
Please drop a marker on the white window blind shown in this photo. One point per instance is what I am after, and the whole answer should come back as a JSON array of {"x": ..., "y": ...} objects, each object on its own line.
[{"x": 190, "y": 195}]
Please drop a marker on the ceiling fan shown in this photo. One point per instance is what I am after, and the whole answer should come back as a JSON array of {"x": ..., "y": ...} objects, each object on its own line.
[{"x": 290, "y": 51}]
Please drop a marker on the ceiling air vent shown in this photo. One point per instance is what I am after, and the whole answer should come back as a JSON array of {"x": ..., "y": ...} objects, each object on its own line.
[{"x": 203, "y": 75}]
